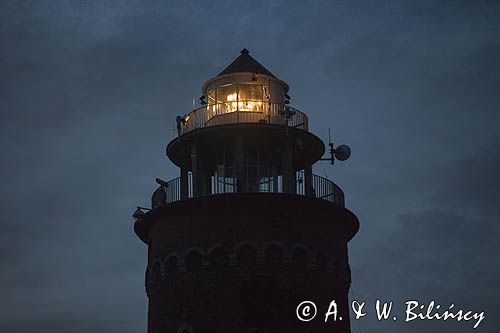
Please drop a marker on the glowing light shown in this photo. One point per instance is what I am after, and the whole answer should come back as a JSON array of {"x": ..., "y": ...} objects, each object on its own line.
[{"x": 234, "y": 105}]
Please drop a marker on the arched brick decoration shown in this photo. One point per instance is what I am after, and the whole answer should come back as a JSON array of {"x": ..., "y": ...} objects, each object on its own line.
[
  {"x": 153, "y": 262},
  {"x": 245, "y": 243},
  {"x": 185, "y": 328},
  {"x": 274, "y": 254},
  {"x": 300, "y": 257},
  {"x": 215, "y": 247},
  {"x": 171, "y": 264},
  {"x": 193, "y": 261},
  {"x": 218, "y": 257},
  {"x": 246, "y": 257}
]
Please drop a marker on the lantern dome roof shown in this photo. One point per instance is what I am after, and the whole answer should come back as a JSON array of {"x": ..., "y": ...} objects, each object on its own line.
[{"x": 246, "y": 63}]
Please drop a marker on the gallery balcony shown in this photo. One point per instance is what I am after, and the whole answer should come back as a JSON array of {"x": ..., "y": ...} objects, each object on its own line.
[
  {"x": 242, "y": 111},
  {"x": 321, "y": 188}
]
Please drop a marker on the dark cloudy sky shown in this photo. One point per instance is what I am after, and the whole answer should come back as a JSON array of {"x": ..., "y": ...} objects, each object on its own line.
[{"x": 89, "y": 92}]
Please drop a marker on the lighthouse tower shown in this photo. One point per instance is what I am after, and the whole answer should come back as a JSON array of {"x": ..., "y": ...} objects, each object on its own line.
[{"x": 247, "y": 232}]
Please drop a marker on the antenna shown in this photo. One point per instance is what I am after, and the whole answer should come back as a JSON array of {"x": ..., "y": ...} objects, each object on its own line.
[
  {"x": 330, "y": 144},
  {"x": 341, "y": 153}
]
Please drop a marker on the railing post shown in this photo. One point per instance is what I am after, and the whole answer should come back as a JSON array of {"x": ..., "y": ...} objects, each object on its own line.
[
  {"x": 308, "y": 189},
  {"x": 184, "y": 184},
  {"x": 275, "y": 181},
  {"x": 241, "y": 185},
  {"x": 289, "y": 179},
  {"x": 201, "y": 175},
  {"x": 195, "y": 168},
  {"x": 206, "y": 185}
]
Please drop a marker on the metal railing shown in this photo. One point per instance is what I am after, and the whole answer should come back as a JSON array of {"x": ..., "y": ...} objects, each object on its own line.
[
  {"x": 322, "y": 188},
  {"x": 246, "y": 111}
]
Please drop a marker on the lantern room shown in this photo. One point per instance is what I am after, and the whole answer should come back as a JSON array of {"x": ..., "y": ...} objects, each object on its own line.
[{"x": 245, "y": 85}]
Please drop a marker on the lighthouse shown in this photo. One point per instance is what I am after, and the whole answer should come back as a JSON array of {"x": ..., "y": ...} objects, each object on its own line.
[{"x": 247, "y": 232}]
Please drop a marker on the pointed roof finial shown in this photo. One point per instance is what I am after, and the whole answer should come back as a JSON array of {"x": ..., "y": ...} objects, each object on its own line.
[{"x": 244, "y": 51}]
